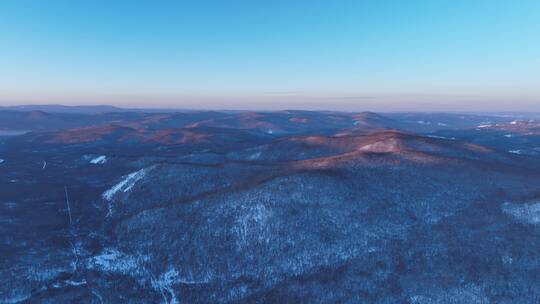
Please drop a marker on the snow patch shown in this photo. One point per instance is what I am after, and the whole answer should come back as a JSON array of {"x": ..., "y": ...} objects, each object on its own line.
[
  {"x": 436, "y": 136},
  {"x": 76, "y": 283},
  {"x": 112, "y": 260},
  {"x": 515, "y": 151},
  {"x": 441, "y": 124},
  {"x": 255, "y": 156},
  {"x": 16, "y": 298},
  {"x": 1, "y": 160},
  {"x": 69, "y": 283},
  {"x": 251, "y": 225},
  {"x": 100, "y": 160},
  {"x": 164, "y": 284},
  {"x": 126, "y": 184},
  {"x": 508, "y": 135},
  {"x": 507, "y": 260},
  {"x": 466, "y": 294},
  {"x": 529, "y": 213},
  {"x": 383, "y": 146}
]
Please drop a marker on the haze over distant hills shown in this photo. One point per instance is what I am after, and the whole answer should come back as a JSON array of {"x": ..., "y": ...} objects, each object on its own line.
[{"x": 82, "y": 109}]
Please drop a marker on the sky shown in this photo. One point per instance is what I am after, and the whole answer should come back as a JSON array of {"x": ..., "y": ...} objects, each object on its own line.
[{"x": 438, "y": 55}]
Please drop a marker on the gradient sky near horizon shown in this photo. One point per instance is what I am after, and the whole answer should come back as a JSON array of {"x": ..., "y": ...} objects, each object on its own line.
[{"x": 438, "y": 55}]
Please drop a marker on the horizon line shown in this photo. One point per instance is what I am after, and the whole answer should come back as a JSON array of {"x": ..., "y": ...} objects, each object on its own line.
[{"x": 16, "y": 107}]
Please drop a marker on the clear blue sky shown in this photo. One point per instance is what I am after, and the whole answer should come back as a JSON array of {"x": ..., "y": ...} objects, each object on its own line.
[{"x": 358, "y": 55}]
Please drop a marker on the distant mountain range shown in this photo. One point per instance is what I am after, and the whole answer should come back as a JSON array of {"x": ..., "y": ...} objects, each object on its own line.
[
  {"x": 100, "y": 205},
  {"x": 65, "y": 109}
]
